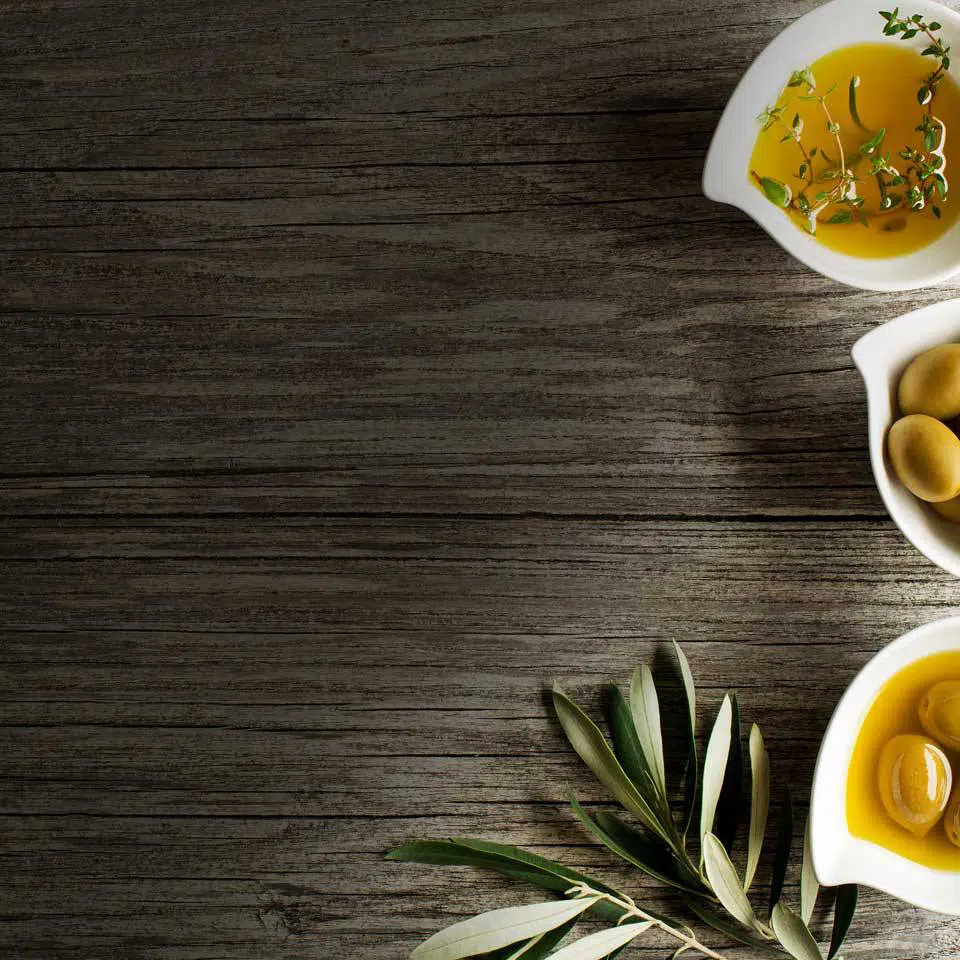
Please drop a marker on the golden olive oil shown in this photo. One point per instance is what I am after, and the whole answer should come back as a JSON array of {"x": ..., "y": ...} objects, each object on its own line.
[
  {"x": 890, "y": 76},
  {"x": 894, "y": 712}
]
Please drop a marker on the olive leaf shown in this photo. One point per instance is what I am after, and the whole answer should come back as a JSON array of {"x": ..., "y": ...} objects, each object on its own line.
[
  {"x": 726, "y": 884},
  {"x": 730, "y": 804},
  {"x": 843, "y": 911},
  {"x": 595, "y": 946},
  {"x": 652, "y": 860},
  {"x": 715, "y": 766},
  {"x": 781, "y": 855},
  {"x": 509, "y": 862},
  {"x": 499, "y": 928},
  {"x": 560, "y": 876},
  {"x": 724, "y": 924},
  {"x": 626, "y": 745},
  {"x": 650, "y": 850},
  {"x": 809, "y": 886},
  {"x": 646, "y": 853},
  {"x": 691, "y": 768},
  {"x": 759, "y": 803},
  {"x": 586, "y": 738},
  {"x": 645, "y": 707},
  {"x": 792, "y": 932},
  {"x": 538, "y": 948}
]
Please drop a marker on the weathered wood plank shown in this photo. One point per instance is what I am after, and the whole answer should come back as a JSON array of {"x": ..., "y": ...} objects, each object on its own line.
[
  {"x": 130, "y": 70},
  {"x": 699, "y": 577}
]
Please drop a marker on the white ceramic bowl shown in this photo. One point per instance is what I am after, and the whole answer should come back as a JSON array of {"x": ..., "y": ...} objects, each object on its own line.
[
  {"x": 725, "y": 176},
  {"x": 839, "y": 857},
  {"x": 881, "y": 356}
]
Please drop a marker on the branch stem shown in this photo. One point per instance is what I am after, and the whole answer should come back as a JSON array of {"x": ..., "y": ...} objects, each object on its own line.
[{"x": 630, "y": 909}]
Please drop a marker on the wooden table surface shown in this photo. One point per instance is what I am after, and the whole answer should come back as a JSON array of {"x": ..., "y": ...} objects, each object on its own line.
[{"x": 366, "y": 364}]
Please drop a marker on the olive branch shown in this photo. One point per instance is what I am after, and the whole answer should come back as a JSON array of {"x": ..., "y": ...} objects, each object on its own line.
[{"x": 632, "y": 769}]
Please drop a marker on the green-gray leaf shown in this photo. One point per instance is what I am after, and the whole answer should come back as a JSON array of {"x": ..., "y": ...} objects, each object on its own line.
[
  {"x": 536, "y": 949},
  {"x": 509, "y": 862},
  {"x": 626, "y": 746},
  {"x": 562, "y": 876},
  {"x": 726, "y": 884},
  {"x": 782, "y": 854},
  {"x": 715, "y": 766},
  {"x": 499, "y": 928},
  {"x": 843, "y": 912},
  {"x": 586, "y": 738},
  {"x": 730, "y": 804},
  {"x": 809, "y": 886},
  {"x": 448, "y": 853},
  {"x": 724, "y": 924},
  {"x": 776, "y": 192},
  {"x": 792, "y": 932},
  {"x": 759, "y": 803},
  {"x": 645, "y": 708},
  {"x": 645, "y": 853},
  {"x": 690, "y": 772},
  {"x": 595, "y": 946}
]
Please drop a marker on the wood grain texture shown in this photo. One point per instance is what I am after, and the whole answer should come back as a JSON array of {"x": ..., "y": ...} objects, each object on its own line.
[{"x": 366, "y": 366}]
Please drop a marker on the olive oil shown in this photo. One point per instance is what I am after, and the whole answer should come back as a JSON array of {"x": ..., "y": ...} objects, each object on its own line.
[
  {"x": 890, "y": 76},
  {"x": 893, "y": 713}
]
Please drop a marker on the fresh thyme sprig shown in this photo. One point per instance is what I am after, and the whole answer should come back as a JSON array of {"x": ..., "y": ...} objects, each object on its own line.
[
  {"x": 843, "y": 192},
  {"x": 632, "y": 769},
  {"x": 839, "y": 181},
  {"x": 908, "y": 28},
  {"x": 922, "y": 177}
]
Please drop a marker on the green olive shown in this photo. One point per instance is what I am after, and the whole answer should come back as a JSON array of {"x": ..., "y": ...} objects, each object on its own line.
[
  {"x": 926, "y": 457},
  {"x": 951, "y": 819},
  {"x": 940, "y": 713},
  {"x": 931, "y": 383},
  {"x": 948, "y": 509},
  {"x": 915, "y": 779}
]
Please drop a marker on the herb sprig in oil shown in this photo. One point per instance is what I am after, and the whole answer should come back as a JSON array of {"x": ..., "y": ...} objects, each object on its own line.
[{"x": 827, "y": 189}]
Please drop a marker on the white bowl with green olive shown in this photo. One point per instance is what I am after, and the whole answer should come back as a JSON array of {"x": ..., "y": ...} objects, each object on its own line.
[{"x": 911, "y": 370}]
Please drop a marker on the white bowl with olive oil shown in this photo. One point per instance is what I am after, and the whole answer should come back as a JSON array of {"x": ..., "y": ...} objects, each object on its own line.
[
  {"x": 852, "y": 839},
  {"x": 819, "y": 165},
  {"x": 881, "y": 357}
]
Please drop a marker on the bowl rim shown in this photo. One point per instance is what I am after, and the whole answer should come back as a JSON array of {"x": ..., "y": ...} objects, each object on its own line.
[
  {"x": 725, "y": 169},
  {"x": 878, "y": 355},
  {"x": 839, "y": 857}
]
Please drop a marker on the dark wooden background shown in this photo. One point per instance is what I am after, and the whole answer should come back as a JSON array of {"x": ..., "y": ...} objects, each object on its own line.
[{"x": 366, "y": 364}]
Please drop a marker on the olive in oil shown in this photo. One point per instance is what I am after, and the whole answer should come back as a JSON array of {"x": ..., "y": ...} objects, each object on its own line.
[
  {"x": 894, "y": 713},
  {"x": 890, "y": 75}
]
